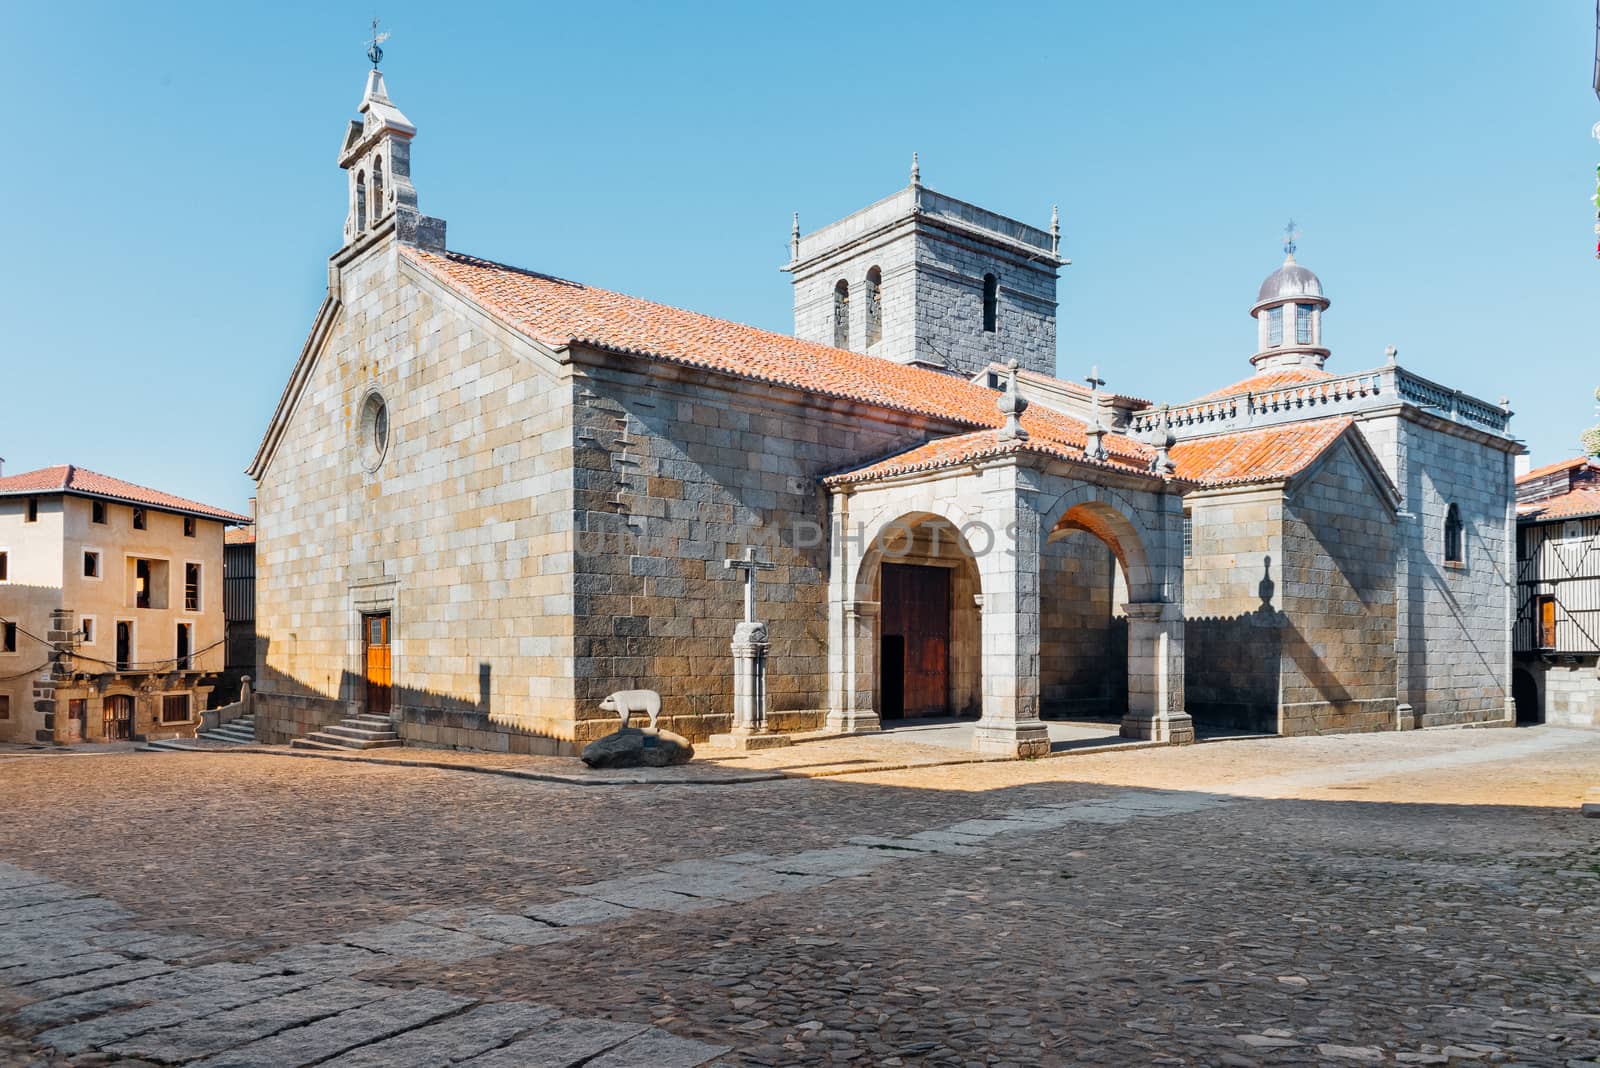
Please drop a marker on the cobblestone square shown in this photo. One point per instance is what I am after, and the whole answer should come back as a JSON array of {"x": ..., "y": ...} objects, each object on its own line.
[{"x": 1422, "y": 898}]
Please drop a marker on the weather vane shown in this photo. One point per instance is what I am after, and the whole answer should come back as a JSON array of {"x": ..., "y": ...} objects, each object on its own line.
[
  {"x": 374, "y": 52},
  {"x": 1290, "y": 236}
]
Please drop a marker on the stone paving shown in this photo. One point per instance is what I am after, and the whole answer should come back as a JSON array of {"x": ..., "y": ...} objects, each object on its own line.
[{"x": 1310, "y": 901}]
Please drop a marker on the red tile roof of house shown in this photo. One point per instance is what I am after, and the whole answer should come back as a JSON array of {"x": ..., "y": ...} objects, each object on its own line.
[
  {"x": 1268, "y": 381},
  {"x": 1265, "y": 455},
  {"x": 239, "y": 535},
  {"x": 79, "y": 482},
  {"x": 1581, "y": 497},
  {"x": 558, "y": 312}
]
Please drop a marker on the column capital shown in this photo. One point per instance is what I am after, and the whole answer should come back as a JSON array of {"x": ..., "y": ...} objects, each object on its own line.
[{"x": 861, "y": 608}]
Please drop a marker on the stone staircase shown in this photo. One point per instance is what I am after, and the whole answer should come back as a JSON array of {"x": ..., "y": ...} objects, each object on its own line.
[
  {"x": 240, "y": 731},
  {"x": 364, "y": 731}
]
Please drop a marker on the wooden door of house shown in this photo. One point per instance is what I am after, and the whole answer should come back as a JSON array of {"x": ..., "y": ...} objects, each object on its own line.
[
  {"x": 118, "y": 721},
  {"x": 915, "y": 640},
  {"x": 375, "y": 634}
]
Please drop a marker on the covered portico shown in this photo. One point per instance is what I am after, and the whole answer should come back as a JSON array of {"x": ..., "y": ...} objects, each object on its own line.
[{"x": 991, "y": 512}]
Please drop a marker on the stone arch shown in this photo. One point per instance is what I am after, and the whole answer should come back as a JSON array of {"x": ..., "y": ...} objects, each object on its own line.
[
  {"x": 1527, "y": 696},
  {"x": 920, "y": 659},
  {"x": 1112, "y": 518}
]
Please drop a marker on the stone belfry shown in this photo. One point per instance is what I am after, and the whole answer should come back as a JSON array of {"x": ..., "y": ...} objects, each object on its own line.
[
  {"x": 1288, "y": 313},
  {"x": 377, "y": 157},
  {"x": 924, "y": 278}
]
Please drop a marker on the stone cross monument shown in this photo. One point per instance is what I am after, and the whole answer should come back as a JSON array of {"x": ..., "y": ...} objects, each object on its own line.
[{"x": 750, "y": 645}]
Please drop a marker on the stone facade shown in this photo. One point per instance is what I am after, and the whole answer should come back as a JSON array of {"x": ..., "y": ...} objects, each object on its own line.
[{"x": 58, "y": 681}]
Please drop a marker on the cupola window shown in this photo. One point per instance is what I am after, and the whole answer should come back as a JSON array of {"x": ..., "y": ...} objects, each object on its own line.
[
  {"x": 1302, "y": 323},
  {"x": 1275, "y": 327}
]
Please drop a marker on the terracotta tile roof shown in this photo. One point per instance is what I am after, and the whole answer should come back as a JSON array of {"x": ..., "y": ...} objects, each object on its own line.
[
  {"x": 239, "y": 535},
  {"x": 557, "y": 312},
  {"x": 1555, "y": 468},
  {"x": 1267, "y": 381},
  {"x": 964, "y": 449},
  {"x": 1580, "y": 498},
  {"x": 1257, "y": 455},
  {"x": 67, "y": 478}
]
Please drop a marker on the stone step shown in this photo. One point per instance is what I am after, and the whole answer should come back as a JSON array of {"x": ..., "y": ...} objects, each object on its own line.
[
  {"x": 310, "y": 743},
  {"x": 382, "y": 723},
  {"x": 330, "y": 740},
  {"x": 360, "y": 733}
]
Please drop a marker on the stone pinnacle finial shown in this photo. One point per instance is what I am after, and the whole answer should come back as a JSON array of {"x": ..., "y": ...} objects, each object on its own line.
[
  {"x": 1390, "y": 352},
  {"x": 794, "y": 239},
  {"x": 1055, "y": 228},
  {"x": 1095, "y": 433},
  {"x": 1012, "y": 404},
  {"x": 916, "y": 170},
  {"x": 1163, "y": 439}
]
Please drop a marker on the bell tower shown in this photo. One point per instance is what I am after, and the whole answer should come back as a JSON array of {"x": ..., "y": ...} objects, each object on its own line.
[
  {"x": 1288, "y": 313},
  {"x": 377, "y": 156}
]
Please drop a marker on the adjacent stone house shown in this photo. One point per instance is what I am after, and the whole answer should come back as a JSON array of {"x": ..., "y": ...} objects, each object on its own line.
[
  {"x": 488, "y": 497},
  {"x": 1557, "y": 637},
  {"x": 111, "y": 622}
]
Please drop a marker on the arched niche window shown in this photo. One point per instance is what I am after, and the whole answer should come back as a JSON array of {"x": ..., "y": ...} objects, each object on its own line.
[
  {"x": 841, "y": 315},
  {"x": 377, "y": 189},
  {"x": 1453, "y": 548},
  {"x": 991, "y": 302},
  {"x": 361, "y": 201},
  {"x": 874, "y": 306}
]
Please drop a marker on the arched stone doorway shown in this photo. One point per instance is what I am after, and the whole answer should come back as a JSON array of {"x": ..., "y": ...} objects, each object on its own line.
[
  {"x": 924, "y": 656},
  {"x": 1525, "y": 695}
]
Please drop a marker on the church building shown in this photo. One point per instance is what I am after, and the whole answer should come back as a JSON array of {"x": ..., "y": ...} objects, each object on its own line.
[{"x": 489, "y": 497}]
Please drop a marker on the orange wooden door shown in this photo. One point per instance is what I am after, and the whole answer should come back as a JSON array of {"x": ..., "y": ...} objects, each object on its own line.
[
  {"x": 375, "y": 634},
  {"x": 1547, "y": 622}
]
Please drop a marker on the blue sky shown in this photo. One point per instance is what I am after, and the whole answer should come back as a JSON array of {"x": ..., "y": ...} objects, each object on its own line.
[{"x": 171, "y": 193}]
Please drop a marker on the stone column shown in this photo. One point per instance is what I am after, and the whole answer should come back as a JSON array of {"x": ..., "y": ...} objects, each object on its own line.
[
  {"x": 852, "y": 712},
  {"x": 1009, "y": 567},
  {"x": 1155, "y": 674},
  {"x": 750, "y": 647}
]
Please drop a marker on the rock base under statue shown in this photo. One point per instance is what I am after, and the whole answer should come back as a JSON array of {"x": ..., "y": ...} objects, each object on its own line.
[
  {"x": 746, "y": 741},
  {"x": 634, "y": 747}
]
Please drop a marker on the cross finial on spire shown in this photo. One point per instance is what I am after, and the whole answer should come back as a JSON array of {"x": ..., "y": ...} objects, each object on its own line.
[
  {"x": 374, "y": 51},
  {"x": 916, "y": 170},
  {"x": 1290, "y": 236}
]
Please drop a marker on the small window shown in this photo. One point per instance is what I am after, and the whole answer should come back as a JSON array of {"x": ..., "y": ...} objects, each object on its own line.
[
  {"x": 139, "y": 519},
  {"x": 1188, "y": 535},
  {"x": 1275, "y": 326},
  {"x": 991, "y": 303},
  {"x": 191, "y": 587},
  {"x": 91, "y": 565},
  {"x": 188, "y": 526},
  {"x": 8, "y": 638},
  {"x": 33, "y": 511},
  {"x": 1524, "y": 542},
  {"x": 841, "y": 314},
  {"x": 184, "y": 647},
  {"x": 377, "y": 189},
  {"x": 97, "y": 512},
  {"x": 5, "y": 706},
  {"x": 1302, "y": 323},
  {"x": 175, "y": 708},
  {"x": 86, "y": 628},
  {"x": 1452, "y": 536},
  {"x": 373, "y": 438},
  {"x": 874, "y": 306},
  {"x": 5, "y": 567},
  {"x": 361, "y": 201}
]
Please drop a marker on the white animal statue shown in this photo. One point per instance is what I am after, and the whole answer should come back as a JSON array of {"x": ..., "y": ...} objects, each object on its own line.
[{"x": 626, "y": 702}]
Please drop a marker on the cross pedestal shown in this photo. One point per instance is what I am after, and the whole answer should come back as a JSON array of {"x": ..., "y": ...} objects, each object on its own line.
[{"x": 750, "y": 645}]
